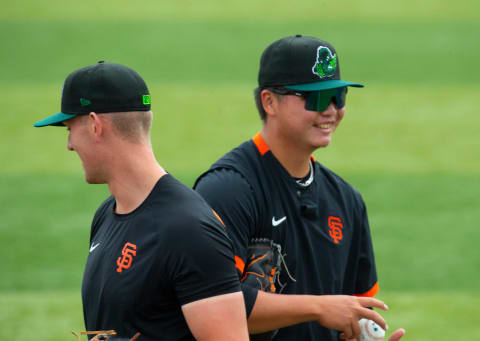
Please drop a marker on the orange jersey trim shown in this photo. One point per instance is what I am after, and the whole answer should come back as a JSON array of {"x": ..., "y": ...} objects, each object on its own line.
[
  {"x": 239, "y": 264},
  {"x": 260, "y": 143},
  {"x": 370, "y": 293},
  {"x": 263, "y": 147},
  {"x": 218, "y": 217}
]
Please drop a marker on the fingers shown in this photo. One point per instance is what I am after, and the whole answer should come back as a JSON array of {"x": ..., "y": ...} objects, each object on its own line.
[
  {"x": 348, "y": 332},
  {"x": 372, "y": 303},
  {"x": 397, "y": 335},
  {"x": 342, "y": 337},
  {"x": 356, "y": 330},
  {"x": 374, "y": 316},
  {"x": 351, "y": 332}
]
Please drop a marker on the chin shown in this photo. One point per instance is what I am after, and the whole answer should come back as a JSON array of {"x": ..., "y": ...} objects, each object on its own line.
[
  {"x": 322, "y": 144},
  {"x": 92, "y": 180}
]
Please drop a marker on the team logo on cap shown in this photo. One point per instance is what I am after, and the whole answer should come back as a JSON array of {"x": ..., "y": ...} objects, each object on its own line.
[{"x": 326, "y": 63}]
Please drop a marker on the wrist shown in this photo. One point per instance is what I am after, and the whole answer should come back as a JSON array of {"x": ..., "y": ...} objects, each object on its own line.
[
  {"x": 317, "y": 307},
  {"x": 313, "y": 308}
]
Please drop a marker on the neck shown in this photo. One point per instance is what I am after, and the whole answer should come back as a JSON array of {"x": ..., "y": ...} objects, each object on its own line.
[
  {"x": 135, "y": 171},
  {"x": 295, "y": 161}
]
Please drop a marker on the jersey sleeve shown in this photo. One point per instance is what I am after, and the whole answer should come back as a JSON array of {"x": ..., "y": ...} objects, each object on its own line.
[
  {"x": 365, "y": 283},
  {"x": 200, "y": 264},
  {"x": 231, "y": 196}
]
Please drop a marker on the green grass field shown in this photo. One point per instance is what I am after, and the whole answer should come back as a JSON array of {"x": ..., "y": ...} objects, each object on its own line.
[{"x": 409, "y": 142}]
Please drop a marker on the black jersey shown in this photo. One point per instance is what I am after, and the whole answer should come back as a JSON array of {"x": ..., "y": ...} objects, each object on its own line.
[
  {"x": 322, "y": 228},
  {"x": 143, "y": 266}
]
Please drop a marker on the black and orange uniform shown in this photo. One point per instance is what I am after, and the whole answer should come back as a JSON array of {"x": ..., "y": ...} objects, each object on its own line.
[
  {"x": 143, "y": 266},
  {"x": 320, "y": 223}
]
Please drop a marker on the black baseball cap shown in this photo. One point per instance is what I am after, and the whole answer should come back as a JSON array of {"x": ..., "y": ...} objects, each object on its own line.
[
  {"x": 101, "y": 88},
  {"x": 301, "y": 63}
]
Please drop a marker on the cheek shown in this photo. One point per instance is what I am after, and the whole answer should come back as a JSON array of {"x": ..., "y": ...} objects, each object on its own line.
[{"x": 340, "y": 114}]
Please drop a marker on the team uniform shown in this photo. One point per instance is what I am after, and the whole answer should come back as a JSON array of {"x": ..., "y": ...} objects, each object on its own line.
[
  {"x": 143, "y": 266},
  {"x": 320, "y": 222}
]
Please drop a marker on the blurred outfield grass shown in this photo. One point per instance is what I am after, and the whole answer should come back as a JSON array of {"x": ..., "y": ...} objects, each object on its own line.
[{"x": 409, "y": 142}]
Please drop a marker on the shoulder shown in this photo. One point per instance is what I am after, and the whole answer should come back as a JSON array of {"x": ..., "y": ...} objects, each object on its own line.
[
  {"x": 180, "y": 210},
  {"x": 106, "y": 204},
  {"x": 101, "y": 212},
  {"x": 335, "y": 183},
  {"x": 222, "y": 180},
  {"x": 170, "y": 194},
  {"x": 229, "y": 193},
  {"x": 235, "y": 159}
]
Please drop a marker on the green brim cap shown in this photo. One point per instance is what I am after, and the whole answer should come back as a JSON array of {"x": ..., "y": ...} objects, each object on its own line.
[
  {"x": 54, "y": 120},
  {"x": 100, "y": 88},
  {"x": 324, "y": 85},
  {"x": 301, "y": 63}
]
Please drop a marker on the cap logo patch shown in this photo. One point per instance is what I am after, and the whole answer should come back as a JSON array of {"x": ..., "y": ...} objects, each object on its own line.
[
  {"x": 84, "y": 102},
  {"x": 146, "y": 100},
  {"x": 326, "y": 63}
]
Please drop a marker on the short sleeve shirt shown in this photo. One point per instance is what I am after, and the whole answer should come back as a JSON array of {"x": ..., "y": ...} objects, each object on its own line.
[
  {"x": 322, "y": 228},
  {"x": 143, "y": 266}
]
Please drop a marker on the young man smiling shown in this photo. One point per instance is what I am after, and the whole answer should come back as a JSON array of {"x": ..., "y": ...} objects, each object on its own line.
[{"x": 271, "y": 189}]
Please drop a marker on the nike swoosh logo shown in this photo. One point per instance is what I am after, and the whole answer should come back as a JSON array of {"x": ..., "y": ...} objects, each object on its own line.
[
  {"x": 279, "y": 221},
  {"x": 93, "y": 247}
]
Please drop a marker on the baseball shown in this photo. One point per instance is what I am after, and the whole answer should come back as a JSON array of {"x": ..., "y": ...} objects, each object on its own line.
[{"x": 370, "y": 331}]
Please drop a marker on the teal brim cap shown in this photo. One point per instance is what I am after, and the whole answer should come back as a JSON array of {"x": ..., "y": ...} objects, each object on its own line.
[
  {"x": 323, "y": 85},
  {"x": 100, "y": 88},
  {"x": 54, "y": 120}
]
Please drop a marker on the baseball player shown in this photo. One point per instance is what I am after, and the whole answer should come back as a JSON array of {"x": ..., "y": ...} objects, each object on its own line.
[
  {"x": 160, "y": 265},
  {"x": 271, "y": 188}
]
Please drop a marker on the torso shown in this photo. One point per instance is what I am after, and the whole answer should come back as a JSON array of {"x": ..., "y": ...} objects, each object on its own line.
[
  {"x": 134, "y": 278},
  {"x": 321, "y": 229}
]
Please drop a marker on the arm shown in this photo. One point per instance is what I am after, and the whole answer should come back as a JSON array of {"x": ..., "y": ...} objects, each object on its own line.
[
  {"x": 217, "y": 318},
  {"x": 200, "y": 265},
  {"x": 339, "y": 312},
  {"x": 230, "y": 195}
]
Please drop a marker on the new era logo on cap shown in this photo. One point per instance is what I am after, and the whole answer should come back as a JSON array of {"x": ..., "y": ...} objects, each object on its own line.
[{"x": 84, "y": 102}]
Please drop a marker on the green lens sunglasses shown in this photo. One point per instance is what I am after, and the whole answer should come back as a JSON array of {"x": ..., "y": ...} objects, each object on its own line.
[{"x": 317, "y": 100}]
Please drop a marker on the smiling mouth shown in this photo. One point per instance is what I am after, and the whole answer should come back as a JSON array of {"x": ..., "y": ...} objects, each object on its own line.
[{"x": 324, "y": 125}]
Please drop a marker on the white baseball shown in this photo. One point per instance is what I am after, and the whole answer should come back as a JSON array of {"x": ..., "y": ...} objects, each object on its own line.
[{"x": 371, "y": 331}]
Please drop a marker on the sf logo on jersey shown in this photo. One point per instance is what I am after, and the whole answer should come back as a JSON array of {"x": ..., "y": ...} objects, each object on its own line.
[
  {"x": 336, "y": 226},
  {"x": 128, "y": 252}
]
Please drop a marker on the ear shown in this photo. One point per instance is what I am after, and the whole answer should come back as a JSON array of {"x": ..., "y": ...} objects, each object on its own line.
[
  {"x": 269, "y": 101},
  {"x": 95, "y": 125}
]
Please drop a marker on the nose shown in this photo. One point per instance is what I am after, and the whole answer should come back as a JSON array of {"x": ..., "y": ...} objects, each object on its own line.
[
  {"x": 331, "y": 110},
  {"x": 69, "y": 144}
]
